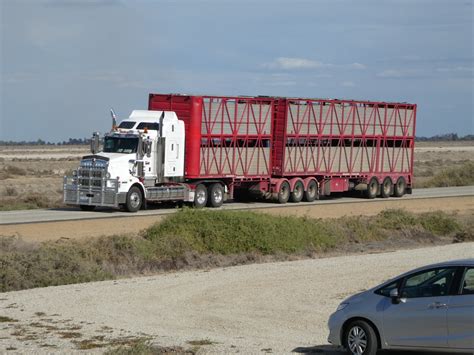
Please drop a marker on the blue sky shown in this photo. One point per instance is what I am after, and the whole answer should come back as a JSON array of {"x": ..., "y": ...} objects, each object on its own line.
[{"x": 64, "y": 63}]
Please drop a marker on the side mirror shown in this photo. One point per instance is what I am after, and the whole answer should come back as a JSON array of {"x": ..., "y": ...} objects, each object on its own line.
[
  {"x": 95, "y": 141},
  {"x": 147, "y": 147},
  {"x": 395, "y": 296}
]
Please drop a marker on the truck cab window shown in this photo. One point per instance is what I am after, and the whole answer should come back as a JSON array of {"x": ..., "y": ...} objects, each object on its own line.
[
  {"x": 126, "y": 124},
  {"x": 120, "y": 145}
]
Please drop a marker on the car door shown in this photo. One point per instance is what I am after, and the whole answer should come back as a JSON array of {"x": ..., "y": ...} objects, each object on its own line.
[
  {"x": 419, "y": 319},
  {"x": 461, "y": 313}
]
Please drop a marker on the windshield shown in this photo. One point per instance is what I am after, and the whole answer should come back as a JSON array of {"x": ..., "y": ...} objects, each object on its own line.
[{"x": 120, "y": 145}]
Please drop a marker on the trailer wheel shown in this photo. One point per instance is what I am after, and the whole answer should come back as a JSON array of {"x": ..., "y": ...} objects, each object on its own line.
[
  {"x": 87, "y": 207},
  {"x": 400, "y": 187},
  {"x": 134, "y": 199},
  {"x": 284, "y": 192},
  {"x": 387, "y": 188},
  {"x": 297, "y": 193},
  {"x": 216, "y": 195},
  {"x": 372, "y": 188},
  {"x": 311, "y": 192},
  {"x": 200, "y": 196}
]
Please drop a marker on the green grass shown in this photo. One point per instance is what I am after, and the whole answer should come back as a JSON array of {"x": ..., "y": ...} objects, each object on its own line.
[{"x": 192, "y": 238}]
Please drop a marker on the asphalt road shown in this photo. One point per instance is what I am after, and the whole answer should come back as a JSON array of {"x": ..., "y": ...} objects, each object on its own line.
[{"x": 70, "y": 214}]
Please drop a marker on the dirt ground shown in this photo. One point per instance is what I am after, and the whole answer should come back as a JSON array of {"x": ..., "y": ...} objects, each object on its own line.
[
  {"x": 132, "y": 225},
  {"x": 279, "y": 307}
]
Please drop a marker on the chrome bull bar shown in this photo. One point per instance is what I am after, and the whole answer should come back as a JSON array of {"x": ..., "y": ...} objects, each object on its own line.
[{"x": 92, "y": 189}]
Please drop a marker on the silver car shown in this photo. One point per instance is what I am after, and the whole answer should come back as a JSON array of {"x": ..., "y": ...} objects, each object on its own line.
[{"x": 428, "y": 309}]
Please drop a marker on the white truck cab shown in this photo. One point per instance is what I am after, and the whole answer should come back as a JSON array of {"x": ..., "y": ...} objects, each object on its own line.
[{"x": 142, "y": 159}]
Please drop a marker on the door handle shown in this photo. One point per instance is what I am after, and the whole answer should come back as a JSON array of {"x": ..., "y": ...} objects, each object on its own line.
[{"x": 437, "y": 305}]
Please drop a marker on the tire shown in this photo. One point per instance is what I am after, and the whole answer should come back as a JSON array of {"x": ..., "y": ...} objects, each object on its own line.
[
  {"x": 200, "y": 196},
  {"x": 311, "y": 192},
  {"x": 372, "y": 188},
  {"x": 360, "y": 339},
  {"x": 297, "y": 193},
  {"x": 386, "y": 188},
  {"x": 87, "y": 207},
  {"x": 134, "y": 199},
  {"x": 400, "y": 187},
  {"x": 284, "y": 192},
  {"x": 215, "y": 195}
]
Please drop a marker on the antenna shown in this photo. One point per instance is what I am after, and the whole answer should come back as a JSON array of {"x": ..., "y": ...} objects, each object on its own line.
[{"x": 114, "y": 119}]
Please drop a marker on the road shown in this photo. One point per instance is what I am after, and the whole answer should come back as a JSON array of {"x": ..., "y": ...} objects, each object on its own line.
[
  {"x": 273, "y": 307},
  {"x": 70, "y": 214}
]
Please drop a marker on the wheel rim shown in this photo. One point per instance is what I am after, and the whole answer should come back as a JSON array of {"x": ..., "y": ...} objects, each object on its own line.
[
  {"x": 201, "y": 197},
  {"x": 284, "y": 191},
  {"x": 373, "y": 188},
  {"x": 299, "y": 191},
  {"x": 312, "y": 190},
  {"x": 217, "y": 195},
  {"x": 357, "y": 340},
  {"x": 386, "y": 188},
  {"x": 135, "y": 199}
]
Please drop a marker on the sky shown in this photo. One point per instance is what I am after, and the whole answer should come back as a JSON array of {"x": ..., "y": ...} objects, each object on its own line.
[{"x": 65, "y": 63}]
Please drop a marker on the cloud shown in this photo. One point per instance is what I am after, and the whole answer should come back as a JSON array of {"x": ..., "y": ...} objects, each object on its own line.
[
  {"x": 357, "y": 66},
  {"x": 293, "y": 63},
  {"x": 82, "y": 3},
  {"x": 397, "y": 73},
  {"x": 455, "y": 69},
  {"x": 288, "y": 63},
  {"x": 348, "y": 84}
]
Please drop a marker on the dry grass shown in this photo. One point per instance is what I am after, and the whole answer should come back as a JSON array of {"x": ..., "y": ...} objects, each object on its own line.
[{"x": 31, "y": 176}]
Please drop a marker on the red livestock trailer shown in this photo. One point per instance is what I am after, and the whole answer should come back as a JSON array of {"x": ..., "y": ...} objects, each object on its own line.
[{"x": 293, "y": 148}]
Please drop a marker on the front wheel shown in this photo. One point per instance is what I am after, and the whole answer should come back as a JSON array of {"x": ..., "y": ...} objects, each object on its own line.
[
  {"x": 360, "y": 339},
  {"x": 134, "y": 199}
]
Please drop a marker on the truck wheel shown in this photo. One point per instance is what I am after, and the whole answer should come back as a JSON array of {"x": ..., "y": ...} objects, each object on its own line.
[
  {"x": 200, "y": 196},
  {"x": 387, "y": 187},
  {"x": 360, "y": 339},
  {"x": 87, "y": 207},
  {"x": 372, "y": 188},
  {"x": 134, "y": 199},
  {"x": 400, "y": 187},
  {"x": 311, "y": 192},
  {"x": 284, "y": 192},
  {"x": 297, "y": 193},
  {"x": 216, "y": 195}
]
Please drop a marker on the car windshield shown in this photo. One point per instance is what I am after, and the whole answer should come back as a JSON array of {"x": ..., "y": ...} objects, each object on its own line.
[{"x": 120, "y": 145}]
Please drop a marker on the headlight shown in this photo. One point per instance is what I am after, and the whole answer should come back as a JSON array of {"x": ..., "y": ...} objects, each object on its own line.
[{"x": 342, "y": 306}]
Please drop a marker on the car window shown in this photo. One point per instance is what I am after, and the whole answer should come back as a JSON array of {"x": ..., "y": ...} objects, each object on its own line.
[
  {"x": 428, "y": 283},
  {"x": 385, "y": 291},
  {"x": 467, "y": 284}
]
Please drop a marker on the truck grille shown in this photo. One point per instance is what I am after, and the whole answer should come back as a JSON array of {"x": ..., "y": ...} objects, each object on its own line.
[{"x": 90, "y": 185}]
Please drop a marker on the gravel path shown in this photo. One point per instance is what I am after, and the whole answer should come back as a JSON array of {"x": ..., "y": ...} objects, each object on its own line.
[{"x": 277, "y": 307}]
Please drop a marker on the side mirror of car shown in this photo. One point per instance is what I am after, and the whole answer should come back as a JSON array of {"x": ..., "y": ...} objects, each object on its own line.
[{"x": 395, "y": 296}]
